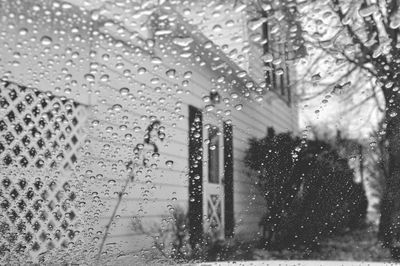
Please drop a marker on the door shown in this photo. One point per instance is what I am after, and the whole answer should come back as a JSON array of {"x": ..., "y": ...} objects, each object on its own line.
[
  {"x": 210, "y": 177},
  {"x": 213, "y": 183}
]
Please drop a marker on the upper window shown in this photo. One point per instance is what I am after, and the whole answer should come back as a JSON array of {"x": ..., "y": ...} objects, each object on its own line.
[{"x": 275, "y": 56}]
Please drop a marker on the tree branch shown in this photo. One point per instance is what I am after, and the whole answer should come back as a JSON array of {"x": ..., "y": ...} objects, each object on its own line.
[{"x": 337, "y": 9}]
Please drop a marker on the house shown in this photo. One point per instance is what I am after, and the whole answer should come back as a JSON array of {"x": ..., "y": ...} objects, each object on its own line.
[{"x": 97, "y": 85}]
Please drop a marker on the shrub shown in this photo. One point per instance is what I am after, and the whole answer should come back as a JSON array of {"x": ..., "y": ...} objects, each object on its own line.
[
  {"x": 309, "y": 189},
  {"x": 172, "y": 242}
]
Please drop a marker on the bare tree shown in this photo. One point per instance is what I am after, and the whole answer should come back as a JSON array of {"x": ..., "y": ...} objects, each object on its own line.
[{"x": 362, "y": 36}]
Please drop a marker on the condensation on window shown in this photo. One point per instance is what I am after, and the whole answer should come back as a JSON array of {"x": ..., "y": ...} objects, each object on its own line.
[{"x": 177, "y": 131}]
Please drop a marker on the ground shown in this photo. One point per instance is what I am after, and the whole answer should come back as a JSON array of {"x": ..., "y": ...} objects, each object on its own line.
[{"x": 358, "y": 245}]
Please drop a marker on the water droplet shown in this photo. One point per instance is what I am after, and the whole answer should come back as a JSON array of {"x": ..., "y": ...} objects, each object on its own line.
[
  {"x": 95, "y": 14},
  {"x": 66, "y": 5},
  {"x": 154, "y": 80},
  {"x": 187, "y": 74},
  {"x": 279, "y": 72},
  {"x": 241, "y": 74},
  {"x": 124, "y": 91},
  {"x": 395, "y": 20},
  {"x": 316, "y": 77},
  {"x": 117, "y": 107},
  {"x": 255, "y": 24},
  {"x": 182, "y": 41},
  {"x": 267, "y": 58},
  {"x": 208, "y": 45},
  {"x": 104, "y": 78},
  {"x": 217, "y": 28},
  {"x": 23, "y": 31},
  {"x": 171, "y": 73},
  {"x": 169, "y": 163},
  {"x": 105, "y": 57},
  {"x": 162, "y": 32},
  {"x": 141, "y": 70},
  {"x": 259, "y": 98},
  {"x": 156, "y": 60},
  {"x": 186, "y": 55},
  {"x": 206, "y": 99},
  {"x": 209, "y": 107},
  {"x": 89, "y": 77},
  {"x": 46, "y": 40},
  {"x": 240, "y": 7}
]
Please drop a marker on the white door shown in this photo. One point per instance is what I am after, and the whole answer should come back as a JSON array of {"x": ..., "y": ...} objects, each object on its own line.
[{"x": 213, "y": 167}]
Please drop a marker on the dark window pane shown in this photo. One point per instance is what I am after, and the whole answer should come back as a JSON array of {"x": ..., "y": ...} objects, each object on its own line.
[{"x": 213, "y": 155}]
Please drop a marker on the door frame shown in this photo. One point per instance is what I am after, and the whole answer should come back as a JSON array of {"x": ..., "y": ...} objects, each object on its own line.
[
  {"x": 195, "y": 211},
  {"x": 199, "y": 175}
]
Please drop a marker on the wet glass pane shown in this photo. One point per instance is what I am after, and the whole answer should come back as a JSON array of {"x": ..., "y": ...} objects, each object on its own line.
[{"x": 162, "y": 132}]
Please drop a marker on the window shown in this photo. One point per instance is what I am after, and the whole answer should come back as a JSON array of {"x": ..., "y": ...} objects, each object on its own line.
[
  {"x": 213, "y": 155},
  {"x": 276, "y": 66}
]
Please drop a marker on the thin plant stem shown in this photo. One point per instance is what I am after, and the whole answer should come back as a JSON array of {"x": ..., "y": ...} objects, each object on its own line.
[
  {"x": 130, "y": 178},
  {"x": 147, "y": 140}
]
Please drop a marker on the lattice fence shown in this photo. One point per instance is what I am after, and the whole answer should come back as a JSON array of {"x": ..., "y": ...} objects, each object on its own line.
[{"x": 40, "y": 136}]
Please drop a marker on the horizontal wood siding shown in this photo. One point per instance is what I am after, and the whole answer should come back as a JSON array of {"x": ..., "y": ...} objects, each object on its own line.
[
  {"x": 154, "y": 192},
  {"x": 225, "y": 27},
  {"x": 118, "y": 122},
  {"x": 115, "y": 132},
  {"x": 57, "y": 67}
]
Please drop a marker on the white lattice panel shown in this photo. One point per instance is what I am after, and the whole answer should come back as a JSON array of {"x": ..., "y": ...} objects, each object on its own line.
[
  {"x": 40, "y": 135},
  {"x": 38, "y": 128}
]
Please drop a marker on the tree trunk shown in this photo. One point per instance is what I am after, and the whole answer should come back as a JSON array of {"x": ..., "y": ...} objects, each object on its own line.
[{"x": 389, "y": 228}]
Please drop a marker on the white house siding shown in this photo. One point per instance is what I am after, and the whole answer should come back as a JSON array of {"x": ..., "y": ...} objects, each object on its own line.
[
  {"x": 254, "y": 118},
  {"x": 166, "y": 183},
  {"x": 60, "y": 64},
  {"x": 101, "y": 167},
  {"x": 170, "y": 185}
]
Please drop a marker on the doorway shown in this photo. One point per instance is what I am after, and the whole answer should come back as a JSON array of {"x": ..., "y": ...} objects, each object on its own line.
[
  {"x": 210, "y": 177},
  {"x": 213, "y": 168}
]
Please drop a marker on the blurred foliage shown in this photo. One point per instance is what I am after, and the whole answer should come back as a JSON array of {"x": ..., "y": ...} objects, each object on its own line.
[{"x": 310, "y": 190}]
